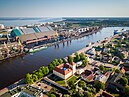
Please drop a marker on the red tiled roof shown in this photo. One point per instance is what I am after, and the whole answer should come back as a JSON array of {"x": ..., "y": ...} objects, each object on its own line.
[
  {"x": 90, "y": 77},
  {"x": 60, "y": 69}
]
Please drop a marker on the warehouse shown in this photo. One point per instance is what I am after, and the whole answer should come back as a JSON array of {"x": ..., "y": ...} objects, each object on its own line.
[{"x": 34, "y": 34}]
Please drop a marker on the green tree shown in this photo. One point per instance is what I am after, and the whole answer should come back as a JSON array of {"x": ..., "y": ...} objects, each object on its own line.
[
  {"x": 55, "y": 62},
  {"x": 99, "y": 85},
  {"x": 71, "y": 84},
  {"x": 40, "y": 75},
  {"x": 85, "y": 62},
  {"x": 101, "y": 67},
  {"x": 35, "y": 78},
  {"x": 70, "y": 59},
  {"x": 52, "y": 95},
  {"x": 122, "y": 56},
  {"x": 77, "y": 57},
  {"x": 44, "y": 70},
  {"x": 126, "y": 91},
  {"x": 64, "y": 60},
  {"x": 60, "y": 61},
  {"x": 81, "y": 83},
  {"x": 28, "y": 79},
  {"x": 82, "y": 56},
  {"x": 88, "y": 94},
  {"x": 117, "y": 71},
  {"x": 123, "y": 81},
  {"x": 51, "y": 67}
]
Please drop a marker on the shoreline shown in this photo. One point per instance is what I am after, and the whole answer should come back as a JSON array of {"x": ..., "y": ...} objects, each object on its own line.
[
  {"x": 54, "y": 43},
  {"x": 79, "y": 51}
]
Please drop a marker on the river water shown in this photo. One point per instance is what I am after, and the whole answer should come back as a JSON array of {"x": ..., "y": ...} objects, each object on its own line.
[{"x": 14, "y": 69}]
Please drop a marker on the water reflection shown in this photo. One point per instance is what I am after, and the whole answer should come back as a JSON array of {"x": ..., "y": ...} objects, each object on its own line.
[{"x": 14, "y": 69}]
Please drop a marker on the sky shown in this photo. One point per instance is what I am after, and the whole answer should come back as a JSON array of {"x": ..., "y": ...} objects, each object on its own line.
[{"x": 64, "y": 8}]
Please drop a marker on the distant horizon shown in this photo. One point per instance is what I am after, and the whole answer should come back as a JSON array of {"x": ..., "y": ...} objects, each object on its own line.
[
  {"x": 71, "y": 17},
  {"x": 64, "y": 8}
]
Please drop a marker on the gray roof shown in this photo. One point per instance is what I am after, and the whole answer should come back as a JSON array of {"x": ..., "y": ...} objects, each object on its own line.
[
  {"x": 50, "y": 28},
  {"x": 27, "y": 37},
  {"x": 28, "y": 30},
  {"x": 43, "y": 29}
]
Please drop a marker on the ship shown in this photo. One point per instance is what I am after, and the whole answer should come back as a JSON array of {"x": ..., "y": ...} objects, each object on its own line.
[
  {"x": 119, "y": 31},
  {"x": 36, "y": 49}
]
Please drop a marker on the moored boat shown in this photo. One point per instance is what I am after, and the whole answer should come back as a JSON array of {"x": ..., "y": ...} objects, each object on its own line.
[
  {"x": 32, "y": 50},
  {"x": 119, "y": 31}
]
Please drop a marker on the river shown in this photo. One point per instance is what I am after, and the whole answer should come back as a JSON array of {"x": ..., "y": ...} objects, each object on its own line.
[{"x": 14, "y": 69}]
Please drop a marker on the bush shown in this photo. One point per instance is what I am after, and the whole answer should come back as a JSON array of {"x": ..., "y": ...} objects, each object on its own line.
[
  {"x": 99, "y": 85},
  {"x": 126, "y": 91},
  {"x": 81, "y": 83},
  {"x": 52, "y": 95},
  {"x": 123, "y": 81}
]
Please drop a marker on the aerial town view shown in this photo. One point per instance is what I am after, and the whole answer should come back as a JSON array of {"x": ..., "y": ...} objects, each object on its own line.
[{"x": 64, "y": 48}]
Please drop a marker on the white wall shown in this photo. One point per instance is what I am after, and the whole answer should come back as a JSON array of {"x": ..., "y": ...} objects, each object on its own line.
[{"x": 61, "y": 75}]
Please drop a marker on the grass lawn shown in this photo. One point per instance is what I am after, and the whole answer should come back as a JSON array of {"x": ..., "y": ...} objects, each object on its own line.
[
  {"x": 61, "y": 82},
  {"x": 73, "y": 78},
  {"x": 57, "y": 80}
]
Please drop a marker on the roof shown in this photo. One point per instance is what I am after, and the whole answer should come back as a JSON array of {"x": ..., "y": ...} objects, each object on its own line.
[
  {"x": 63, "y": 68},
  {"x": 44, "y": 28},
  {"x": 27, "y": 37},
  {"x": 28, "y": 30},
  {"x": 29, "y": 90}
]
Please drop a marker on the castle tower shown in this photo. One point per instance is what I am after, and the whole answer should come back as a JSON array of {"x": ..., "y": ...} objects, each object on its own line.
[{"x": 73, "y": 66}]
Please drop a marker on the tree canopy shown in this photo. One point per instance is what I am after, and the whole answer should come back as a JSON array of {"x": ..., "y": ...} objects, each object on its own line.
[
  {"x": 99, "y": 85},
  {"x": 123, "y": 81}
]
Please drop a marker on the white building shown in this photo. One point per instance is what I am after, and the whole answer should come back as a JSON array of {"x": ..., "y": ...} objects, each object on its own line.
[{"x": 1, "y": 26}]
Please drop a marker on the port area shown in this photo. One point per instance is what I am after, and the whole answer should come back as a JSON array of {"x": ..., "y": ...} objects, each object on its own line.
[
  {"x": 49, "y": 83},
  {"x": 18, "y": 45}
]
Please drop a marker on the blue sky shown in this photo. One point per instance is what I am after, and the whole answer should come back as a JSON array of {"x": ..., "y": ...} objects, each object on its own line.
[{"x": 64, "y": 8}]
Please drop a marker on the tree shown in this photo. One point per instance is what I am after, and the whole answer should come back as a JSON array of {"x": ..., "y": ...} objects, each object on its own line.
[
  {"x": 81, "y": 83},
  {"x": 123, "y": 81},
  {"x": 71, "y": 84},
  {"x": 44, "y": 70},
  {"x": 99, "y": 85},
  {"x": 82, "y": 56},
  {"x": 40, "y": 75},
  {"x": 52, "y": 95},
  {"x": 85, "y": 62},
  {"x": 101, "y": 67},
  {"x": 51, "y": 67},
  {"x": 55, "y": 62},
  {"x": 70, "y": 59},
  {"x": 77, "y": 57},
  {"x": 64, "y": 60},
  {"x": 28, "y": 79},
  {"x": 126, "y": 91},
  {"x": 60, "y": 61},
  {"x": 122, "y": 56},
  {"x": 35, "y": 78},
  {"x": 117, "y": 71},
  {"x": 87, "y": 94}
]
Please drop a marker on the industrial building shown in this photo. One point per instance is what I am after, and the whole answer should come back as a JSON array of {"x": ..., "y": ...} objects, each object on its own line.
[{"x": 34, "y": 34}]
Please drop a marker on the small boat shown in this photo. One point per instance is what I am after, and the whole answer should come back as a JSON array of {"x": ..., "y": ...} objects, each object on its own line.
[
  {"x": 119, "y": 31},
  {"x": 89, "y": 44},
  {"x": 33, "y": 50}
]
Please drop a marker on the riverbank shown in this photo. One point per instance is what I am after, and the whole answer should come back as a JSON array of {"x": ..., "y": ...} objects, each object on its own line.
[
  {"x": 72, "y": 38},
  {"x": 15, "y": 68},
  {"x": 83, "y": 50}
]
